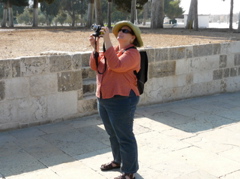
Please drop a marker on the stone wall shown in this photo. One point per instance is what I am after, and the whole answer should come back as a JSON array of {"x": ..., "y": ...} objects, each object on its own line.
[{"x": 60, "y": 86}]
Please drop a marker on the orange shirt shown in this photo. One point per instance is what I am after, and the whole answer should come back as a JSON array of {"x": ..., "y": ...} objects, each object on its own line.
[{"x": 119, "y": 77}]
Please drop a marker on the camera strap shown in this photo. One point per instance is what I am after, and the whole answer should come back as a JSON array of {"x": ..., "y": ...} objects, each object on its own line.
[{"x": 96, "y": 55}]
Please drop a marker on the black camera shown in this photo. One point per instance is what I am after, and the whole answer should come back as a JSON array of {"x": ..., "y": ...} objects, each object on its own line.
[{"x": 97, "y": 29}]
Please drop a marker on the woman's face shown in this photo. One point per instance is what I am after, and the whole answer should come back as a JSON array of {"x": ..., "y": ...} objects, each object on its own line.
[{"x": 125, "y": 35}]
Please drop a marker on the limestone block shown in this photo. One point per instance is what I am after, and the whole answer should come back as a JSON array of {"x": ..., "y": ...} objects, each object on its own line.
[
  {"x": 62, "y": 105},
  {"x": 171, "y": 94},
  {"x": 68, "y": 81},
  {"x": 43, "y": 84},
  {"x": 152, "y": 91},
  {"x": 89, "y": 86},
  {"x": 87, "y": 73},
  {"x": 77, "y": 61},
  {"x": 202, "y": 50},
  {"x": 225, "y": 48},
  {"x": 2, "y": 90},
  {"x": 182, "y": 67},
  {"x": 25, "y": 110},
  {"x": 150, "y": 54},
  {"x": 230, "y": 60},
  {"x": 226, "y": 72},
  {"x": 87, "y": 105},
  {"x": 16, "y": 72},
  {"x": 223, "y": 85},
  {"x": 85, "y": 58},
  {"x": 218, "y": 74},
  {"x": 237, "y": 59},
  {"x": 162, "y": 69},
  {"x": 5, "y": 111},
  {"x": 177, "y": 53},
  {"x": 174, "y": 81},
  {"x": 5, "y": 69},
  {"x": 216, "y": 49},
  {"x": 204, "y": 76},
  {"x": 17, "y": 88},
  {"x": 60, "y": 63},
  {"x": 233, "y": 84},
  {"x": 223, "y": 61},
  {"x": 203, "y": 64},
  {"x": 33, "y": 66},
  {"x": 161, "y": 54},
  {"x": 233, "y": 71},
  {"x": 206, "y": 88},
  {"x": 189, "y": 51},
  {"x": 234, "y": 47}
]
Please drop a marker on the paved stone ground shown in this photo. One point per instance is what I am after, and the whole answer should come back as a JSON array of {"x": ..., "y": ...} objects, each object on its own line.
[{"x": 190, "y": 139}]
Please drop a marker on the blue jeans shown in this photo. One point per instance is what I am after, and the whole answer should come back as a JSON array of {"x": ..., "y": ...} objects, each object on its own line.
[{"x": 117, "y": 114}]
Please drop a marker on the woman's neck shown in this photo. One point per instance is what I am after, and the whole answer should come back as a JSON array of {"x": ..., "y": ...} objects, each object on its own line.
[{"x": 123, "y": 46}]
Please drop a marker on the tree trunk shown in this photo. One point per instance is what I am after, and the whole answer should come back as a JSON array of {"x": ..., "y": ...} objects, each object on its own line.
[
  {"x": 231, "y": 16},
  {"x": 196, "y": 15},
  {"x": 157, "y": 18},
  {"x": 133, "y": 11},
  {"x": 238, "y": 23},
  {"x": 98, "y": 13},
  {"x": 90, "y": 13},
  {"x": 35, "y": 13},
  {"x": 5, "y": 13},
  {"x": 192, "y": 15},
  {"x": 145, "y": 13},
  {"x": 109, "y": 13},
  {"x": 10, "y": 15}
]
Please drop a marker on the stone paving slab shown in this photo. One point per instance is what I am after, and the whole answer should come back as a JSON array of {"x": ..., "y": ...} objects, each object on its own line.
[{"x": 196, "y": 138}]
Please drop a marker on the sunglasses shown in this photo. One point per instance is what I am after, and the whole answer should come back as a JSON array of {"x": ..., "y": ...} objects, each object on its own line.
[{"x": 125, "y": 31}]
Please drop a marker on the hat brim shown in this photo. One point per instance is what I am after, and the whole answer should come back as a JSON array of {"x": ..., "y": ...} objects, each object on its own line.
[{"x": 134, "y": 28}]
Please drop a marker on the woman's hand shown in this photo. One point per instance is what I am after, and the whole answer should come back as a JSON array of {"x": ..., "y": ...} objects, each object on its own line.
[
  {"x": 94, "y": 42},
  {"x": 105, "y": 34}
]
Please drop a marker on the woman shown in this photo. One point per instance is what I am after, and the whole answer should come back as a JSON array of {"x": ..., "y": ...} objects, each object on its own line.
[{"x": 117, "y": 93}]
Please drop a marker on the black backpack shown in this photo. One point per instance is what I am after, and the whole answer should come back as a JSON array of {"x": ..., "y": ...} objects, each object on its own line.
[{"x": 142, "y": 75}]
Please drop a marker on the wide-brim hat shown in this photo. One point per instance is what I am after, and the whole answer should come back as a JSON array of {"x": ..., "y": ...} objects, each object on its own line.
[{"x": 134, "y": 28}]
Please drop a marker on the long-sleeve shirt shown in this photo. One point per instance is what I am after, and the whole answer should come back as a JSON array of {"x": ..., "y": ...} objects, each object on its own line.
[{"x": 119, "y": 77}]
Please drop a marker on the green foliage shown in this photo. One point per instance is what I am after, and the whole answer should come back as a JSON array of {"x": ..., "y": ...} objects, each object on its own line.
[
  {"x": 16, "y": 2},
  {"x": 60, "y": 18},
  {"x": 42, "y": 19},
  {"x": 172, "y": 8},
  {"x": 25, "y": 17},
  {"x": 125, "y": 5},
  {"x": 50, "y": 9}
]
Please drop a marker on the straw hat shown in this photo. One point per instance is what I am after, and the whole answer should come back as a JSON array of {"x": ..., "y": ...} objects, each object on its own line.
[{"x": 134, "y": 28}]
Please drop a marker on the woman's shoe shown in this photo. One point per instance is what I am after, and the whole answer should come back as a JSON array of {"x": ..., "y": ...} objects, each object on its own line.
[
  {"x": 126, "y": 176},
  {"x": 110, "y": 166}
]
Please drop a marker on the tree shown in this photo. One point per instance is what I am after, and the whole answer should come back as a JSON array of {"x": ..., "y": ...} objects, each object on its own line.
[
  {"x": 109, "y": 13},
  {"x": 125, "y": 5},
  {"x": 50, "y": 10},
  {"x": 172, "y": 8},
  {"x": 157, "y": 15},
  {"x": 8, "y": 10},
  {"x": 35, "y": 10},
  {"x": 192, "y": 20},
  {"x": 98, "y": 12},
  {"x": 25, "y": 17},
  {"x": 133, "y": 11},
  {"x": 238, "y": 23},
  {"x": 73, "y": 8},
  {"x": 90, "y": 12}
]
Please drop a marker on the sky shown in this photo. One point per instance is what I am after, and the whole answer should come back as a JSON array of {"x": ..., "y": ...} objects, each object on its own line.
[{"x": 212, "y": 6}]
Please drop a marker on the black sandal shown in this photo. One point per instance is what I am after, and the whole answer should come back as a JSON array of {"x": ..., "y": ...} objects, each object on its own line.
[
  {"x": 125, "y": 175},
  {"x": 109, "y": 166}
]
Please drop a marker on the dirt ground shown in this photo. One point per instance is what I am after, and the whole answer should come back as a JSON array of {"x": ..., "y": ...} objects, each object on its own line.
[{"x": 31, "y": 42}]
